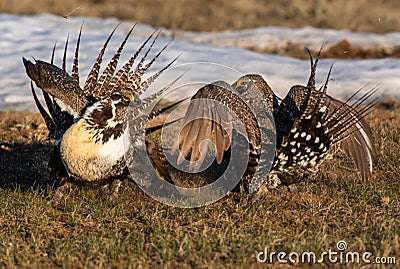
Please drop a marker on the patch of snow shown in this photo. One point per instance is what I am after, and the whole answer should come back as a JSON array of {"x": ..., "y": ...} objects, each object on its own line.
[
  {"x": 277, "y": 37},
  {"x": 35, "y": 36}
]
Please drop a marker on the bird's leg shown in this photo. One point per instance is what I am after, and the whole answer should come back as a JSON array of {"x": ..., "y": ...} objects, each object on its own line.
[
  {"x": 261, "y": 193},
  {"x": 59, "y": 192},
  {"x": 263, "y": 190},
  {"x": 113, "y": 189},
  {"x": 292, "y": 188},
  {"x": 272, "y": 182}
]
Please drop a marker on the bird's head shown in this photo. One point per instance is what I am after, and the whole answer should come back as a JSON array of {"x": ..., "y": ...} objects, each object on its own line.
[
  {"x": 251, "y": 80},
  {"x": 106, "y": 118},
  {"x": 258, "y": 85},
  {"x": 244, "y": 82},
  {"x": 122, "y": 98}
]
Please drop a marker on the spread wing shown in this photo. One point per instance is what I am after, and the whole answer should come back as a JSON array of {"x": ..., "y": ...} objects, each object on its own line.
[
  {"x": 56, "y": 82},
  {"x": 355, "y": 139},
  {"x": 208, "y": 118}
]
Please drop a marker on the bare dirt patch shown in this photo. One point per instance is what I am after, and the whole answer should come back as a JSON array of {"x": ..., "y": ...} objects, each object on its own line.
[{"x": 341, "y": 50}]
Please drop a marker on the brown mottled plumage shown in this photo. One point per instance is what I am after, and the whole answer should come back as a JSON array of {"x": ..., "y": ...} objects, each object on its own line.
[
  {"x": 310, "y": 127},
  {"x": 214, "y": 123}
]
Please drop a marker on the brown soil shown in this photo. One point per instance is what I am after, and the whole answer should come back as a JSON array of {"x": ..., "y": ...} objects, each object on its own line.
[{"x": 341, "y": 50}]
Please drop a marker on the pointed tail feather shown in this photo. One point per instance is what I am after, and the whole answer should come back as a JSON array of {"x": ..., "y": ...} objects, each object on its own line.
[
  {"x": 91, "y": 80},
  {"x": 311, "y": 80},
  {"x": 135, "y": 77},
  {"x": 52, "y": 54},
  {"x": 151, "y": 98},
  {"x": 64, "y": 62},
  {"x": 121, "y": 77},
  {"x": 75, "y": 67},
  {"x": 51, "y": 126},
  {"x": 108, "y": 73},
  {"x": 158, "y": 112},
  {"x": 145, "y": 84}
]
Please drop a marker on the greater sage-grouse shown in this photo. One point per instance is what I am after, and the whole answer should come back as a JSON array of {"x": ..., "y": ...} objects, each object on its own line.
[
  {"x": 88, "y": 122},
  {"x": 301, "y": 131},
  {"x": 310, "y": 127}
]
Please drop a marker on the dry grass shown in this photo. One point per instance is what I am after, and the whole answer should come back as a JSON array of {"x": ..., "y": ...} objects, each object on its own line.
[
  {"x": 363, "y": 15},
  {"x": 85, "y": 230}
]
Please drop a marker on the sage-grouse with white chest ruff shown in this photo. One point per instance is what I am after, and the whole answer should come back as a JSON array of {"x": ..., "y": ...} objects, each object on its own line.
[
  {"x": 89, "y": 121},
  {"x": 310, "y": 127}
]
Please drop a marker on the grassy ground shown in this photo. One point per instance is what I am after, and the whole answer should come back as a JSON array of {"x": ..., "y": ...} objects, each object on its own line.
[{"x": 85, "y": 230}]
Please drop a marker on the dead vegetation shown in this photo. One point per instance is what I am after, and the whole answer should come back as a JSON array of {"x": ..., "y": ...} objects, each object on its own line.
[
  {"x": 365, "y": 15},
  {"x": 341, "y": 50}
]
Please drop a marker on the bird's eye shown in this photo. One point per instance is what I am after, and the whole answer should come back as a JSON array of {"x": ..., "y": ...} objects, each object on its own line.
[
  {"x": 242, "y": 88},
  {"x": 128, "y": 96}
]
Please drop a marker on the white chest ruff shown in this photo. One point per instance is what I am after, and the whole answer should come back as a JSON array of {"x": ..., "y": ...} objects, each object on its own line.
[{"x": 87, "y": 160}]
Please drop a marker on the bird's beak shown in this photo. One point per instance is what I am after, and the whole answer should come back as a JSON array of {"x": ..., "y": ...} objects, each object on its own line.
[{"x": 239, "y": 82}]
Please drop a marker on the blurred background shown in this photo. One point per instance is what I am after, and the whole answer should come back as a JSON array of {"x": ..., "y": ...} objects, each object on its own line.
[{"x": 380, "y": 16}]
